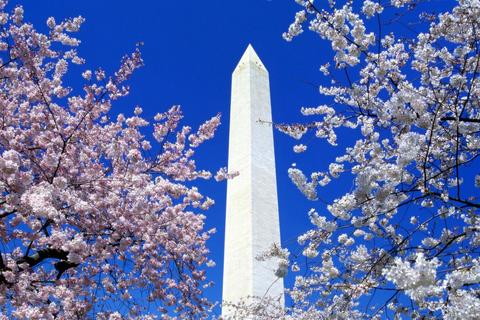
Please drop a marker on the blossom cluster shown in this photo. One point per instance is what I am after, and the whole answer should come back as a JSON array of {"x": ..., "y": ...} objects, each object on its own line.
[
  {"x": 405, "y": 236},
  {"x": 96, "y": 219}
]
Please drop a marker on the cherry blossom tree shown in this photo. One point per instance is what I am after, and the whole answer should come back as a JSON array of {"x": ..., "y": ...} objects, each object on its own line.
[
  {"x": 404, "y": 241},
  {"x": 97, "y": 219}
]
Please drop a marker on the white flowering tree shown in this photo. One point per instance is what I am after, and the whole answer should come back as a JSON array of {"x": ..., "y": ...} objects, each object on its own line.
[
  {"x": 97, "y": 219},
  {"x": 404, "y": 242}
]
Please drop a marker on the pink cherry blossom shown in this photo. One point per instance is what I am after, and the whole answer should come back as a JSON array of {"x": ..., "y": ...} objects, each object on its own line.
[
  {"x": 403, "y": 241},
  {"x": 93, "y": 225}
]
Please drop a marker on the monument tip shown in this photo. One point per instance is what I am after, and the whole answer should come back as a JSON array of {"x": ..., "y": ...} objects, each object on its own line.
[{"x": 250, "y": 57}]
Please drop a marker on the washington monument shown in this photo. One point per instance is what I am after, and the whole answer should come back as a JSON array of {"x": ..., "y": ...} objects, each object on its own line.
[{"x": 252, "y": 222}]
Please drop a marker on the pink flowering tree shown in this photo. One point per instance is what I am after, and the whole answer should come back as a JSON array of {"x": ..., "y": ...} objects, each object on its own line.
[
  {"x": 403, "y": 242},
  {"x": 97, "y": 219}
]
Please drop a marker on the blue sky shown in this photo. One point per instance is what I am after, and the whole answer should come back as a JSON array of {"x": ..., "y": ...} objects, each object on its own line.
[{"x": 190, "y": 49}]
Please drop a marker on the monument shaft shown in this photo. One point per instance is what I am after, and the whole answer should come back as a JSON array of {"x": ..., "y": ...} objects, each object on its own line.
[{"x": 252, "y": 222}]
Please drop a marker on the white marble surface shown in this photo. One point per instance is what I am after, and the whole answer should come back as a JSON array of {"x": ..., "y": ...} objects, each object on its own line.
[{"x": 252, "y": 222}]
